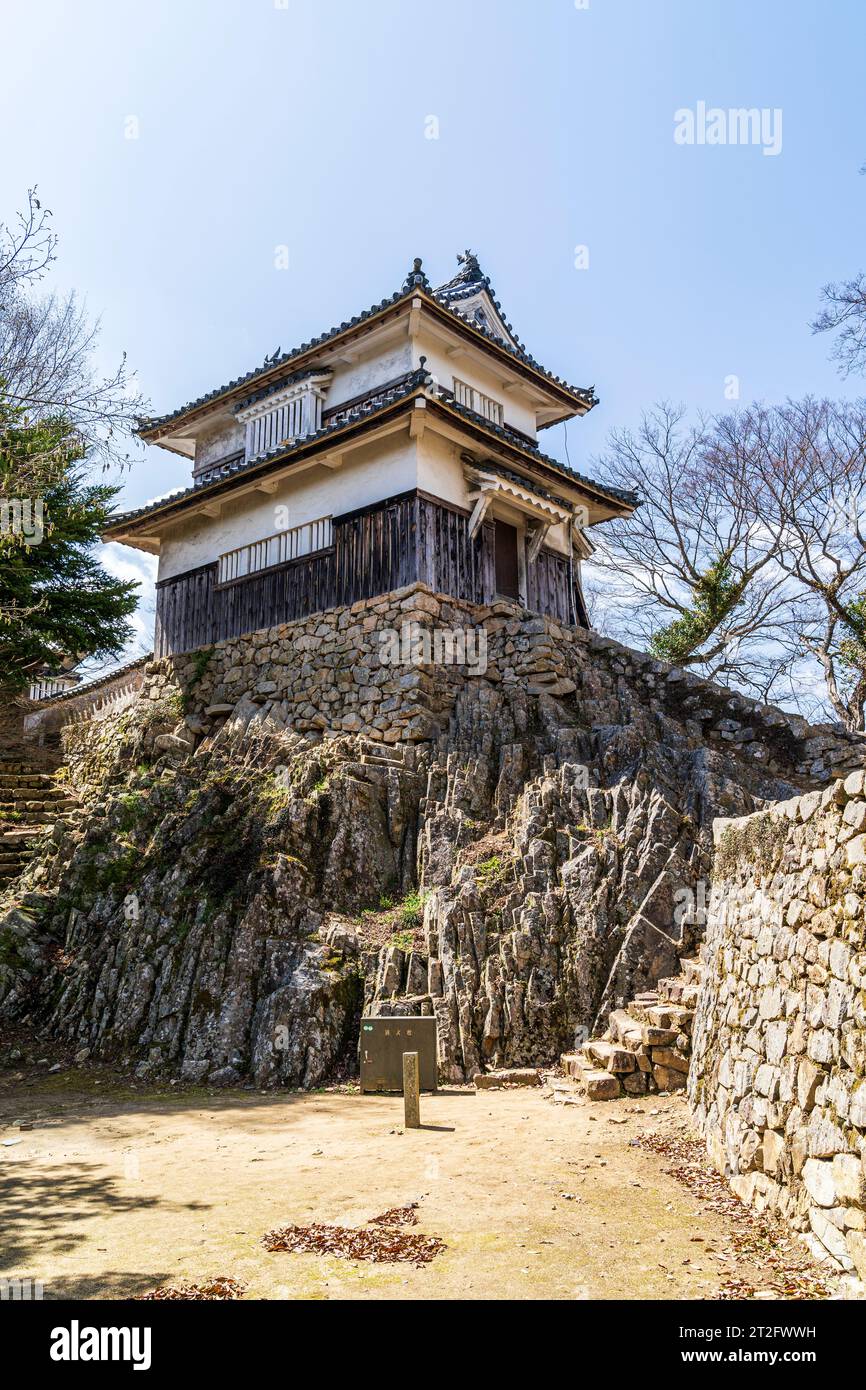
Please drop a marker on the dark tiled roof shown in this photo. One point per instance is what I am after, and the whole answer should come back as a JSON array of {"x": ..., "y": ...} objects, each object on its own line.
[
  {"x": 280, "y": 385},
  {"x": 468, "y": 281},
  {"x": 369, "y": 407},
  {"x": 238, "y": 465},
  {"x": 493, "y": 466},
  {"x": 518, "y": 441}
]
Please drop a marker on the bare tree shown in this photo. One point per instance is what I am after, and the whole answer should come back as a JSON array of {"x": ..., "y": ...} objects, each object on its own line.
[
  {"x": 692, "y": 574},
  {"x": 747, "y": 559},
  {"x": 844, "y": 309},
  {"x": 27, "y": 246},
  {"x": 804, "y": 464},
  {"x": 47, "y": 347}
]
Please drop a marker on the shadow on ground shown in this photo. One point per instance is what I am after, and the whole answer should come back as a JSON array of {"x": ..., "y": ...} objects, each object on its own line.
[{"x": 43, "y": 1206}]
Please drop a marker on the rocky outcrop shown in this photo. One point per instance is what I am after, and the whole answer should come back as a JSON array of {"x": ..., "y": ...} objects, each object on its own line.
[
  {"x": 217, "y": 913},
  {"x": 778, "y": 1078}
]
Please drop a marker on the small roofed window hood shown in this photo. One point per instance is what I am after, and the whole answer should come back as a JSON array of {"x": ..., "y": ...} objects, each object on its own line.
[{"x": 282, "y": 415}]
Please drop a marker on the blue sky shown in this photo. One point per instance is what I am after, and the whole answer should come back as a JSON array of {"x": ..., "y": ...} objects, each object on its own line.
[{"x": 304, "y": 124}]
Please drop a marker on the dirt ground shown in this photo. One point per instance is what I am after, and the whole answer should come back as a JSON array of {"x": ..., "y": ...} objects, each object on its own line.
[{"x": 115, "y": 1191}]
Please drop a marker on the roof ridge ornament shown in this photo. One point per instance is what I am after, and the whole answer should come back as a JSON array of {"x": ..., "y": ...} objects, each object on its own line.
[
  {"x": 416, "y": 276},
  {"x": 471, "y": 270}
]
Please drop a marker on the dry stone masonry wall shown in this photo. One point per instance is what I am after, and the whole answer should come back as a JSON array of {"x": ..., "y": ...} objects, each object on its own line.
[
  {"x": 325, "y": 675},
  {"x": 778, "y": 1075}
]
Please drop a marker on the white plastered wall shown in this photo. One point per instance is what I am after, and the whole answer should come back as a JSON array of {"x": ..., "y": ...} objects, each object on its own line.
[
  {"x": 518, "y": 410},
  {"x": 371, "y": 370},
  {"x": 379, "y": 470}
]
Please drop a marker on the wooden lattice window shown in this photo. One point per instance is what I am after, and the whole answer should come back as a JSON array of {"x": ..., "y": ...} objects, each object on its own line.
[
  {"x": 473, "y": 399},
  {"x": 278, "y": 549}
]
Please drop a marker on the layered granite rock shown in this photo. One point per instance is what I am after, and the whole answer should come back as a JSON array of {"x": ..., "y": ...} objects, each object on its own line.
[{"x": 215, "y": 911}]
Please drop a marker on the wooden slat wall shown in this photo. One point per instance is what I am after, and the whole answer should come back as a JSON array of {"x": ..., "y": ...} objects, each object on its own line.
[
  {"x": 447, "y": 561},
  {"x": 375, "y": 550}
]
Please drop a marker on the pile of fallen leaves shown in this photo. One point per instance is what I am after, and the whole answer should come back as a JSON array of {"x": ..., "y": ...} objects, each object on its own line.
[
  {"x": 216, "y": 1290},
  {"x": 389, "y": 1243},
  {"x": 787, "y": 1269},
  {"x": 398, "y": 1216}
]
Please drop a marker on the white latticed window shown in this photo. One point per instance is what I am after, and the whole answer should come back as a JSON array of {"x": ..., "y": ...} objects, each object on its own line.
[
  {"x": 467, "y": 395},
  {"x": 284, "y": 416},
  {"x": 275, "y": 550}
]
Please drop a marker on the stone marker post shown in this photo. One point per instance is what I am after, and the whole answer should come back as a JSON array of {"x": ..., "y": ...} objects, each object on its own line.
[{"x": 411, "y": 1090}]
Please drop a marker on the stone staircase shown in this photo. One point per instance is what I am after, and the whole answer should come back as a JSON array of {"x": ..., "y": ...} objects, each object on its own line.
[
  {"x": 31, "y": 803},
  {"x": 646, "y": 1046}
]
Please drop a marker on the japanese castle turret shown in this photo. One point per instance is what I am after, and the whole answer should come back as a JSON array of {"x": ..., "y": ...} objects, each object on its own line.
[{"x": 399, "y": 447}]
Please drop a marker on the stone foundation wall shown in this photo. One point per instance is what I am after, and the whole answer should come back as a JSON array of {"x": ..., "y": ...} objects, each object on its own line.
[
  {"x": 325, "y": 675},
  {"x": 778, "y": 1075}
]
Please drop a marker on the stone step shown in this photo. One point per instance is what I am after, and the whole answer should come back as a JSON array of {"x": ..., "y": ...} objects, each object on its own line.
[
  {"x": 652, "y": 1036},
  {"x": 28, "y": 835},
  {"x": 671, "y": 989},
  {"x": 34, "y": 818},
  {"x": 26, "y": 779},
  {"x": 574, "y": 1064},
  {"x": 381, "y": 753},
  {"x": 58, "y": 804},
  {"x": 623, "y": 1028},
  {"x": 669, "y": 1016},
  {"x": 693, "y": 970},
  {"x": 510, "y": 1076},
  {"x": 47, "y": 792},
  {"x": 639, "y": 1012},
  {"x": 669, "y": 1078},
  {"x": 608, "y": 1055},
  {"x": 646, "y": 1047},
  {"x": 600, "y": 1085}
]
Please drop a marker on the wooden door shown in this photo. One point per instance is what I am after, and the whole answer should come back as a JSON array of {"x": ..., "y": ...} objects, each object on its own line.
[{"x": 507, "y": 569}]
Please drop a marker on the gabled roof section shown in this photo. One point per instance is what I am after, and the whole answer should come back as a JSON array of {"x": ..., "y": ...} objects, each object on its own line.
[
  {"x": 467, "y": 299},
  {"x": 470, "y": 294}
]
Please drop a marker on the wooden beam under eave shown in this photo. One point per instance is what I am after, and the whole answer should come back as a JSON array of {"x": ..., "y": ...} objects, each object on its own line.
[
  {"x": 331, "y": 461},
  {"x": 479, "y": 512},
  {"x": 539, "y": 536},
  {"x": 212, "y": 508},
  {"x": 269, "y": 485},
  {"x": 418, "y": 420}
]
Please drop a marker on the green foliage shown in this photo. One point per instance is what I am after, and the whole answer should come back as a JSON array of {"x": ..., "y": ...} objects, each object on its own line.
[
  {"x": 758, "y": 843},
  {"x": 56, "y": 600},
  {"x": 132, "y": 807},
  {"x": 118, "y": 872},
  {"x": 411, "y": 910},
  {"x": 852, "y": 648},
  {"x": 403, "y": 940},
  {"x": 200, "y": 661},
  {"x": 492, "y": 874},
  {"x": 716, "y": 595}
]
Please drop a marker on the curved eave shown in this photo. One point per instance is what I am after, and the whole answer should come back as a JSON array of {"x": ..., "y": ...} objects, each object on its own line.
[
  {"x": 540, "y": 465},
  {"x": 135, "y": 525}
]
